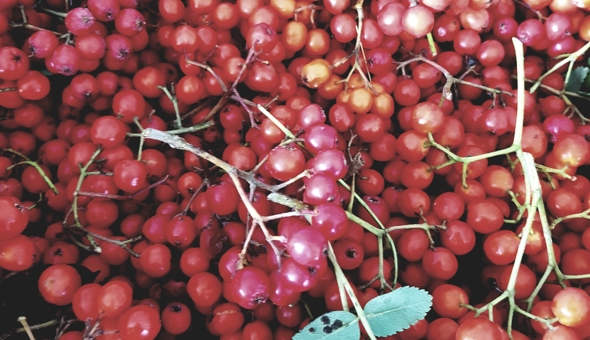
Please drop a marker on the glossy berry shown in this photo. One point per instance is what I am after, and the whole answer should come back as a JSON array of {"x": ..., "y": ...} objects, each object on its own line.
[
  {"x": 59, "y": 283},
  {"x": 139, "y": 322},
  {"x": 176, "y": 318},
  {"x": 250, "y": 287},
  {"x": 307, "y": 246}
]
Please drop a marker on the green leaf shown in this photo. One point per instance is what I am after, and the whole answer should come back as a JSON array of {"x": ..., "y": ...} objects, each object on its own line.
[
  {"x": 576, "y": 79},
  {"x": 338, "y": 325},
  {"x": 397, "y": 310},
  {"x": 585, "y": 86},
  {"x": 46, "y": 73}
]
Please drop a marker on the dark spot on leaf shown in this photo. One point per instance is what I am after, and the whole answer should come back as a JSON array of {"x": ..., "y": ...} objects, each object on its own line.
[
  {"x": 325, "y": 320},
  {"x": 327, "y": 329},
  {"x": 312, "y": 330},
  {"x": 337, "y": 324}
]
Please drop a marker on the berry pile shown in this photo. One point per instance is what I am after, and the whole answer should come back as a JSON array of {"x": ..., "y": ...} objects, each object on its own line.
[{"x": 181, "y": 169}]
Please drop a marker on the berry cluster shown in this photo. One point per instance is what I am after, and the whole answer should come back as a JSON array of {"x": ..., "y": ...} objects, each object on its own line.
[{"x": 172, "y": 168}]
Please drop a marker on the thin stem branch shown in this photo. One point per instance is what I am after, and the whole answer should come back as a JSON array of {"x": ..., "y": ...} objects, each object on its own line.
[
  {"x": 124, "y": 197},
  {"x": 174, "y": 101},
  {"x": 83, "y": 174},
  {"x": 210, "y": 70},
  {"x": 547, "y": 322},
  {"x": 32, "y": 328},
  {"x": 41, "y": 173},
  {"x": 570, "y": 59},
  {"x": 447, "y": 94}
]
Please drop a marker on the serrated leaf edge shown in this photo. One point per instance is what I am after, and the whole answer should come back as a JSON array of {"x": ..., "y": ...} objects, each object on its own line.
[
  {"x": 427, "y": 301},
  {"x": 574, "y": 83}
]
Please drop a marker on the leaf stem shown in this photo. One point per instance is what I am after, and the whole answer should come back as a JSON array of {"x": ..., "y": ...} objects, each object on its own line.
[{"x": 350, "y": 291}]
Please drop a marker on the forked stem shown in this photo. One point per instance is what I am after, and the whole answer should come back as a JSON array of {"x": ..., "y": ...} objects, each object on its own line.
[
  {"x": 570, "y": 59},
  {"x": 23, "y": 321}
]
